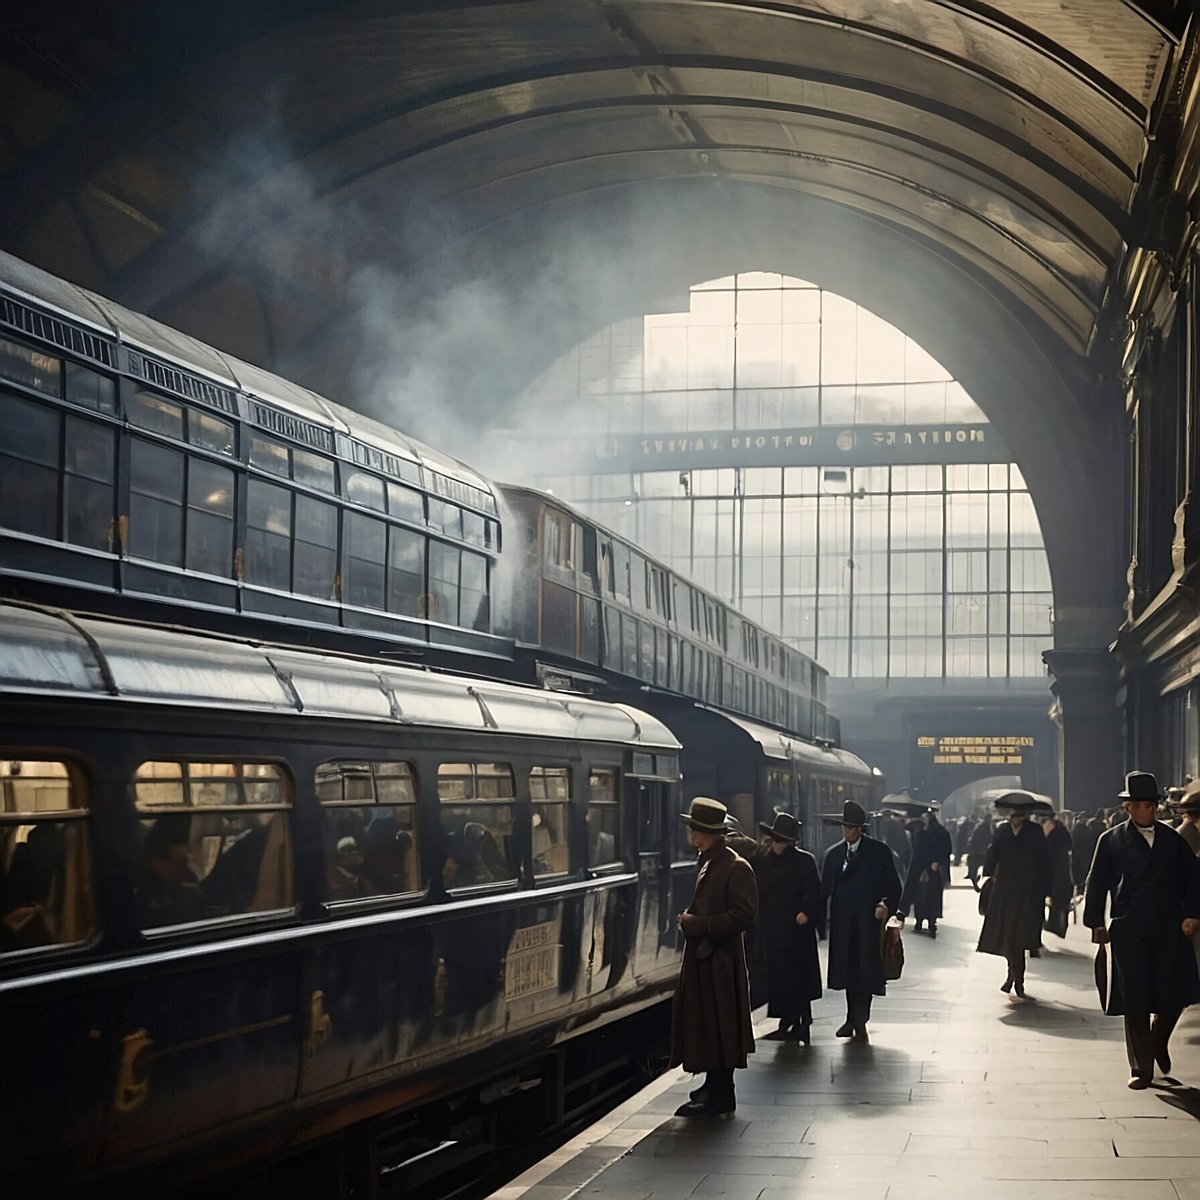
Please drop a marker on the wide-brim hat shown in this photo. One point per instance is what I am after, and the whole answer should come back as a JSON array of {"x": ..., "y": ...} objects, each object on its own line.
[
  {"x": 785, "y": 827},
  {"x": 1140, "y": 785},
  {"x": 706, "y": 815},
  {"x": 853, "y": 814},
  {"x": 1024, "y": 802}
]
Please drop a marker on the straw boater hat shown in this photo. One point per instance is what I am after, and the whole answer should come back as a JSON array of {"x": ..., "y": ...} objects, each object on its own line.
[
  {"x": 1140, "y": 785},
  {"x": 785, "y": 827},
  {"x": 706, "y": 815}
]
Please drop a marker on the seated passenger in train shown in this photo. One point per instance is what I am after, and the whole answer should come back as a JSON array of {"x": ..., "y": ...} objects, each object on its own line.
[
  {"x": 26, "y": 919},
  {"x": 387, "y": 846},
  {"x": 473, "y": 857},
  {"x": 343, "y": 873},
  {"x": 169, "y": 893}
]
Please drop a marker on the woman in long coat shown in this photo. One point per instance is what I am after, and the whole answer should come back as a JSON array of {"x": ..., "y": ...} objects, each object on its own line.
[
  {"x": 1019, "y": 867},
  {"x": 785, "y": 958},
  {"x": 928, "y": 873},
  {"x": 710, "y": 1020}
]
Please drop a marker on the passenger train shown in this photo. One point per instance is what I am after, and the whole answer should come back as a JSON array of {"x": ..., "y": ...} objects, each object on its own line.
[{"x": 320, "y": 866}]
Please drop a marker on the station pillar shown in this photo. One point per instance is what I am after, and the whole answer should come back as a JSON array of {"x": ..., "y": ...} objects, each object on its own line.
[{"x": 1091, "y": 758}]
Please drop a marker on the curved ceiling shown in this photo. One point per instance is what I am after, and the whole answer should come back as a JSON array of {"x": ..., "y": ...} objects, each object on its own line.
[{"x": 232, "y": 170}]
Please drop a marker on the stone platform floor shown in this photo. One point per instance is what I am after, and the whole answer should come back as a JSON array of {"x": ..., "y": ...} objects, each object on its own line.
[{"x": 961, "y": 1092}]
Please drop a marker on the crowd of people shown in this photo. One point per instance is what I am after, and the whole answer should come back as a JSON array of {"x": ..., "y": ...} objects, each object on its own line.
[{"x": 1133, "y": 869}]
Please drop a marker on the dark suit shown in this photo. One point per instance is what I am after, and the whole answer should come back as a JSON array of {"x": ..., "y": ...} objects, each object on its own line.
[
  {"x": 786, "y": 967},
  {"x": 849, "y": 894},
  {"x": 1152, "y": 891}
]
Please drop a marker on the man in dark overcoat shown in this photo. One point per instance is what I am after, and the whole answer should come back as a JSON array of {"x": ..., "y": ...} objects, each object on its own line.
[
  {"x": 928, "y": 873},
  {"x": 1018, "y": 867},
  {"x": 1062, "y": 885},
  {"x": 1152, "y": 879},
  {"x": 710, "y": 1019},
  {"x": 860, "y": 889},
  {"x": 785, "y": 960},
  {"x": 977, "y": 848}
]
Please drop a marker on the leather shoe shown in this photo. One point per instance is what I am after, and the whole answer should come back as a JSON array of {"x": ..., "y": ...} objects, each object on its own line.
[
  {"x": 846, "y": 1030},
  {"x": 799, "y": 1033},
  {"x": 860, "y": 1035},
  {"x": 708, "y": 1106},
  {"x": 698, "y": 1093},
  {"x": 933, "y": 931},
  {"x": 1138, "y": 1082}
]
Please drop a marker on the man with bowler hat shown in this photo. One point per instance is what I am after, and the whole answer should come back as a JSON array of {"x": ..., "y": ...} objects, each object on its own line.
[
  {"x": 860, "y": 889},
  {"x": 1148, "y": 877},
  {"x": 786, "y": 966},
  {"x": 710, "y": 1019}
]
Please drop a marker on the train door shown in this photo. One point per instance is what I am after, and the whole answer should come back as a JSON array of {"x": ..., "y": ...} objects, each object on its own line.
[{"x": 666, "y": 866}]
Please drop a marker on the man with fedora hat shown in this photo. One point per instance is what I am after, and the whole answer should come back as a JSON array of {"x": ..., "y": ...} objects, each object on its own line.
[
  {"x": 786, "y": 966},
  {"x": 710, "y": 1019},
  {"x": 1148, "y": 878},
  {"x": 859, "y": 889}
]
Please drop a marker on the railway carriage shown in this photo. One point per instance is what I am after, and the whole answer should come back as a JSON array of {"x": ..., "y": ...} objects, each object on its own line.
[{"x": 254, "y": 897}]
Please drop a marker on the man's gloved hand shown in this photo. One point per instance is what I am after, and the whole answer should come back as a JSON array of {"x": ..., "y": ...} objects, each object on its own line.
[{"x": 692, "y": 925}]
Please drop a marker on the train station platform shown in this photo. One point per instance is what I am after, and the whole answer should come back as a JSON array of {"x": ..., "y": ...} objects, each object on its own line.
[{"x": 961, "y": 1092}]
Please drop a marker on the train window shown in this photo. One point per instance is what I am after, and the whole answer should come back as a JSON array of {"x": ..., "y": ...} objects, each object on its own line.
[
  {"x": 45, "y": 856},
  {"x": 211, "y": 433},
  {"x": 24, "y": 364},
  {"x": 89, "y": 468},
  {"x": 445, "y": 518},
  {"x": 603, "y": 819},
  {"x": 550, "y": 792},
  {"x": 91, "y": 389},
  {"x": 443, "y": 594},
  {"x": 405, "y": 503},
  {"x": 313, "y": 471},
  {"x": 269, "y": 455},
  {"x": 156, "y": 503},
  {"x": 364, "y": 558},
  {"x": 365, "y": 489},
  {"x": 29, "y": 436},
  {"x": 650, "y": 819},
  {"x": 477, "y": 820},
  {"x": 314, "y": 562},
  {"x": 369, "y": 829},
  {"x": 643, "y": 764},
  {"x": 474, "y": 529},
  {"x": 209, "y": 518},
  {"x": 155, "y": 413},
  {"x": 268, "y": 535},
  {"x": 215, "y": 840},
  {"x": 473, "y": 594},
  {"x": 406, "y": 572}
]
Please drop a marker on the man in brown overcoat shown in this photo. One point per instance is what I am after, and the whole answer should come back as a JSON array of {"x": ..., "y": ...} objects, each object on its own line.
[{"x": 710, "y": 1020}]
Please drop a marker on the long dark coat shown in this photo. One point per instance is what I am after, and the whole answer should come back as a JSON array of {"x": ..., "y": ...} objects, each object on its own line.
[
  {"x": 1020, "y": 866},
  {"x": 1058, "y": 847},
  {"x": 1083, "y": 847},
  {"x": 931, "y": 845},
  {"x": 1152, "y": 891},
  {"x": 848, "y": 900},
  {"x": 786, "y": 968},
  {"x": 710, "y": 1019}
]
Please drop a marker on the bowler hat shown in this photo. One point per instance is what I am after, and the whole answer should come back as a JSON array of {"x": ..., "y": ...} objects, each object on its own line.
[
  {"x": 785, "y": 827},
  {"x": 706, "y": 815},
  {"x": 1140, "y": 785},
  {"x": 853, "y": 814}
]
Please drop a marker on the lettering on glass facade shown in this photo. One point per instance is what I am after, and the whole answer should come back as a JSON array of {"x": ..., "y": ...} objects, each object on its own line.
[
  {"x": 822, "y": 446},
  {"x": 977, "y": 750}
]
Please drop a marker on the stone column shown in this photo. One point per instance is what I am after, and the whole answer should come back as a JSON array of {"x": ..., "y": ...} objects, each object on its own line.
[{"x": 1091, "y": 760}]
